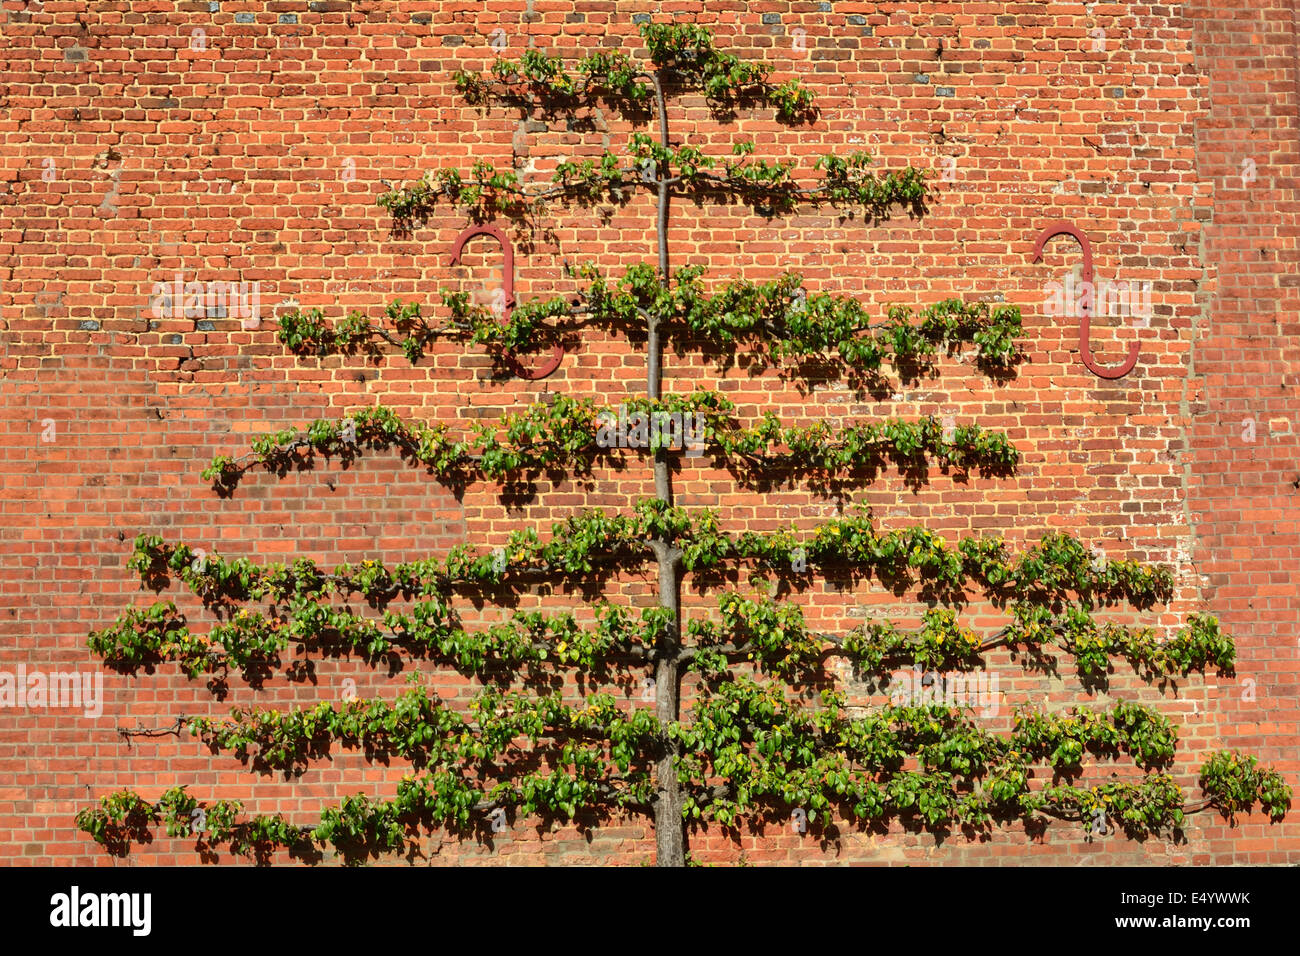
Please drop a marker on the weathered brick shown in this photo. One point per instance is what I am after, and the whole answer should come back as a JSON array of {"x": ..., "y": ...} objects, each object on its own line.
[{"x": 259, "y": 157}]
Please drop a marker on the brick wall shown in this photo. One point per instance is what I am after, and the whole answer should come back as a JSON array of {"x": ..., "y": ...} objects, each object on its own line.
[
  {"x": 1242, "y": 475},
  {"x": 247, "y": 142}
]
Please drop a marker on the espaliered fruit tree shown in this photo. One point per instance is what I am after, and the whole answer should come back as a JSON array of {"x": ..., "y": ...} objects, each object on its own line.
[{"x": 763, "y": 733}]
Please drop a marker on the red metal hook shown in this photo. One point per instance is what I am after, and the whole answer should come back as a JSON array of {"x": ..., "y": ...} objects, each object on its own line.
[
  {"x": 1085, "y": 311},
  {"x": 508, "y": 271}
]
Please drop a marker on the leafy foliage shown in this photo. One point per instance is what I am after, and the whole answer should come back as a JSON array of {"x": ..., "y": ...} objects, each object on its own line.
[
  {"x": 1052, "y": 570},
  {"x": 681, "y": 54},
  {"x": 771, "y": 751},
  {"x": 563, "y": 437},
  {"x": 769, "y": 323}
]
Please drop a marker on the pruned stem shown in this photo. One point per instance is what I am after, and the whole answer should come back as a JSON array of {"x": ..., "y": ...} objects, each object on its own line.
[{"x": 670, "y": 834}]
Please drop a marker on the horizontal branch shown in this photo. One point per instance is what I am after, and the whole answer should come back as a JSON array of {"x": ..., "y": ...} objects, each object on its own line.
[
  {"x": 682, "y": 56},
  {"x": 485, "y": 192},
  {"x": 775, "y": 636},
  {"x": 777, "y": 324},
  {"x": 595, "y": 542},
  {"x": 253, "y": 642},
  {"x": 566, "y": 437}
]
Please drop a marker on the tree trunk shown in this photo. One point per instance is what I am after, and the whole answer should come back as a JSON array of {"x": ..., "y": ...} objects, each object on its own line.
[{"x": 670, "y": 831}]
